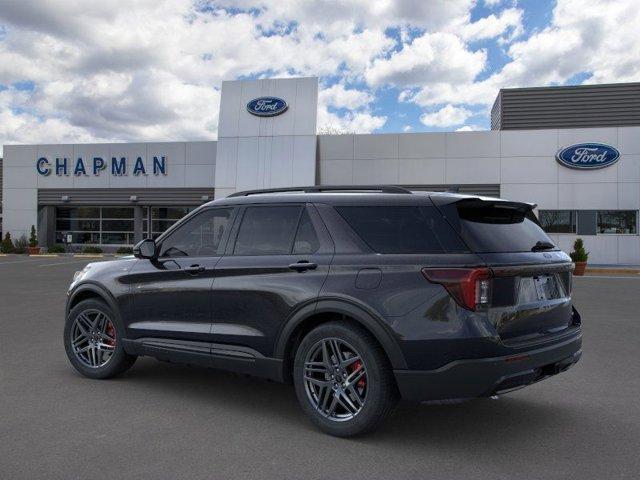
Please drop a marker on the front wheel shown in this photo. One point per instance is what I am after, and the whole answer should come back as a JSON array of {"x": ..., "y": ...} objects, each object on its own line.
[
  {"x": 93, "y": 341},
  {"x": 343, "y": 379}
]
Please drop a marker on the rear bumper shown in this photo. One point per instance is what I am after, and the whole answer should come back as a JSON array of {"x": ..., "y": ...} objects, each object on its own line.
[{"x": 484, "y": 377}]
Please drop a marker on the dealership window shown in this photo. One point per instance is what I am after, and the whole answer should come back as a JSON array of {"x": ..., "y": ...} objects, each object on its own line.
[
  {"x": 95, "y": 225},
  {"x": 558, "y": 221},
  {"x": 618, "y": 221},
  {"x": 161, "y": 219}
]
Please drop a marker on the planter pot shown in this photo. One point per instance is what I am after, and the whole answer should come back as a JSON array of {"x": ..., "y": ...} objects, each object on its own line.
[
  {"x": 33, "y": 250},
  {"x": 580, "y": 268}
]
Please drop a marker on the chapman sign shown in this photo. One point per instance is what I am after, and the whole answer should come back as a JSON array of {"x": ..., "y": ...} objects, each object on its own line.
[
  {"x": 118, "y": 166},
  {"x": 267, "y": 106},
  {"x": 588, "y": 156}
]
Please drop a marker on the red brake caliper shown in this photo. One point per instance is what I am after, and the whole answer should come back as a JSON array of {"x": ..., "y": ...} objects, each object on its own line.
[
  {"x": 112, "y": 333},
  {"x": 357, "y": 365}
]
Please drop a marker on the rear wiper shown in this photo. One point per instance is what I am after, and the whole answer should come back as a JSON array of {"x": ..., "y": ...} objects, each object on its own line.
[{"x": 540, "y": 245}]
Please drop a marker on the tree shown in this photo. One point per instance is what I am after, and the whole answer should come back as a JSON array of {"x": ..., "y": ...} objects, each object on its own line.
[
  {"x": 331, "y": 129},
  {"x": 7, "y": 244},
  {"x": 33, "y": 237}
]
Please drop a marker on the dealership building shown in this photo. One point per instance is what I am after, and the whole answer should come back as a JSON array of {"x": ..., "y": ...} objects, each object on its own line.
[{"x": 574, "y": 151}]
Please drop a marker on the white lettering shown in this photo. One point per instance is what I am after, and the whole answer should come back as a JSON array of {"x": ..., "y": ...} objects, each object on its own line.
[
  {"x": 588, "y": 155},
  {"x": 266, "y": 105}
]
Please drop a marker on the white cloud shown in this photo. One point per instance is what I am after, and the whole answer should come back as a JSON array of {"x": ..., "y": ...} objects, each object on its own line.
[
  {"x": 351, "y": 122},
  {"x": 509, "y": 22},
  {"x": 357, "y": 119},
  {"x": 151, "y": 70},
  {"x": 469, "y": 128},
  {"x": 407, "y": 128},
  {"x": 447, "y": 116},
  {"x": 583, "y": 37},
  {"x": 340, "y": 97},
  {"x": 433, "y": 57}
]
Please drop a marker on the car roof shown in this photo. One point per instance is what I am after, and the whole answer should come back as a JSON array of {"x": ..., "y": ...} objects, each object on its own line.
[{"x": 346, "y": 195}]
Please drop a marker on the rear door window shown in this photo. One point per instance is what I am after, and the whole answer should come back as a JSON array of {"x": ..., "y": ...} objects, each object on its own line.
[
  {"x": 307, "y": 241},
  {"x": 496, "y": 227},
  {"x": 267, "y": 230},
  {"x": 403, "y": 229}
]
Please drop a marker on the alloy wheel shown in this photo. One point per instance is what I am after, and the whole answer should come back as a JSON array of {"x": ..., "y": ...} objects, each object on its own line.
[
  {"x": 93, "y": 338},
  {"x": 335, "y": 379}
]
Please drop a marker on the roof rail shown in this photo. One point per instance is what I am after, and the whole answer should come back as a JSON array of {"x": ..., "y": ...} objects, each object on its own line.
[{"x": 328, "y": 188}]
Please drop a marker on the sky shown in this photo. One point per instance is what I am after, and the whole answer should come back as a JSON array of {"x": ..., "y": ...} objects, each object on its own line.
[{"x": 76, "y": 71}]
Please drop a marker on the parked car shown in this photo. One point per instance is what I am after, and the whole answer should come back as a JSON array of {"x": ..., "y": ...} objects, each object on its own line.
[{"x": 356, "y": 295}]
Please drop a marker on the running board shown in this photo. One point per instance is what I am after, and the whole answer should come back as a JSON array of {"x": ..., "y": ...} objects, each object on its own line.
[{"x": 232, "y": 358}]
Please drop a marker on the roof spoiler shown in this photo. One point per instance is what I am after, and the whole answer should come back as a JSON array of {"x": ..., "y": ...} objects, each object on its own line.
[{"x": 449, "y": 198}]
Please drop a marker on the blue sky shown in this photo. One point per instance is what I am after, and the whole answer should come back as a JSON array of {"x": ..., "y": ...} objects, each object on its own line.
[{"x": 77, "y": 71}]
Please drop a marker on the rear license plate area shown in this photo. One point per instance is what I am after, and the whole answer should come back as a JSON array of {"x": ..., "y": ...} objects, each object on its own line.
[{"x": 544, "y": 287}]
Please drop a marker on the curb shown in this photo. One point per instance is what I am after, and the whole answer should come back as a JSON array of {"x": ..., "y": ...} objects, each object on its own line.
[{"x": 612, "y": 271}]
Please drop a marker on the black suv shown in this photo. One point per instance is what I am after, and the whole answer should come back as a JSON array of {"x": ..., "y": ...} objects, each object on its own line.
[{"x": 356, "y": 295}]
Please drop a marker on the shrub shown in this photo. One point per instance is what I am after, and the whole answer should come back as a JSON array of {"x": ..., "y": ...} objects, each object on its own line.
[
  {"x": 33, "y": 238},
  {"x": 57, "y": 248},
  {"x": 91, "y": 249},
  {"x": 20, "y": 245},
  {"x": 579, "y": 254},
  {"x": 125, "y": 250},
  {"x": 7, "y": 244}
]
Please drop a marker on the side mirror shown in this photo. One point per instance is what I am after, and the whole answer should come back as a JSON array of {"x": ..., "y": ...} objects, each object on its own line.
[{"x": 145, "y": 249}]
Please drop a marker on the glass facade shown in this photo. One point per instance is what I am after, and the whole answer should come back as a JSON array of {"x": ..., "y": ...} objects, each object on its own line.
[
  {"x": 618, "y": 221},
  {"x": 558, "y": 221},
  {"x": 113, "y": 225},
  {"x": 590, "y": 222},
  {"x": 95, "y": 225}
]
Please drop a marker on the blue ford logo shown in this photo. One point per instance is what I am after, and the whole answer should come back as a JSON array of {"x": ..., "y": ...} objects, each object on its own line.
[
  {"x": 588, "y": 156},
  {"x": 267, "y": 106}
]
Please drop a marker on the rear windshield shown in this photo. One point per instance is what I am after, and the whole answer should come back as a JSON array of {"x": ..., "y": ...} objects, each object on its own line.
[
  {"x": 403, "y": 229},
  {"x": 496, "y": 227}
]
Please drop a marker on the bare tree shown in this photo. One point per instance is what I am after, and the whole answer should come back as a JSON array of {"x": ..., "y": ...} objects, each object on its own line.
[{"x": 331, "y": 129}]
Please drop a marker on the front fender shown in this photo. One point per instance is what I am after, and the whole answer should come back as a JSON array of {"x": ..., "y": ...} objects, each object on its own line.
[{"x": 94, "y": 290}]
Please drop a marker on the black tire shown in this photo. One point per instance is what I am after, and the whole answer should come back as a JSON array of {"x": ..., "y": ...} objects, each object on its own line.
[
  {"x": 381, "y": 391},
  {"x": 117, "y": 363}
]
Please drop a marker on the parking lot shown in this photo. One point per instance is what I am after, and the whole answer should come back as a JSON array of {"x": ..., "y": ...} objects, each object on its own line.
[{"x": 170, "y": 421}]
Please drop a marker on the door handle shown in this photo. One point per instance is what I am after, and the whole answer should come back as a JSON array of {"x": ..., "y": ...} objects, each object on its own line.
[
  {"x": 303, "y": 265},
  {"x": 194, "y": 269}
]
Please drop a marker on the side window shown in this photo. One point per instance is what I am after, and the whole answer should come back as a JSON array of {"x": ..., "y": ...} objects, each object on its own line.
[
  {"x": 200, "y": 236},
  {"x": 268, "y": 230},
  {"x": 306, "y": 239}
]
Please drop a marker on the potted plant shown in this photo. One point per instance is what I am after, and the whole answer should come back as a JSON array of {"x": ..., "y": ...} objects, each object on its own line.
[
  {"x": 33, "y": 249},
  {"x": 579, "y": 257},
  {"x": 7, "y": 244}
]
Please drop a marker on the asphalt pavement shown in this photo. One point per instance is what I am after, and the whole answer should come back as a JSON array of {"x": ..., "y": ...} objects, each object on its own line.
[{"x": 166, "y": 421}]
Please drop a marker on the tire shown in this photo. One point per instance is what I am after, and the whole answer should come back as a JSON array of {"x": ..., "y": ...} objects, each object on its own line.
[
  {"x": 95, "y": 355},
  {"x": 376, "y": 387}
]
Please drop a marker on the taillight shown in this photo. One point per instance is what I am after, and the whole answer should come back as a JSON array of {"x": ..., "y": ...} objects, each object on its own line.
[{"x": 469, "y": 287}]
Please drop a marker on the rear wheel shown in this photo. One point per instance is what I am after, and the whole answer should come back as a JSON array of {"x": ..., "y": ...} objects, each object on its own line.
[
  {"x": 343, "y": 379},
  {"x": 93, "y": 341}
]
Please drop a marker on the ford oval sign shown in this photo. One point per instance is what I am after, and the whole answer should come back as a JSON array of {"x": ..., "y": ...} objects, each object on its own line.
[
  {"x": 267, "y": 106},
  {"x": 588, "y": 156}
]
